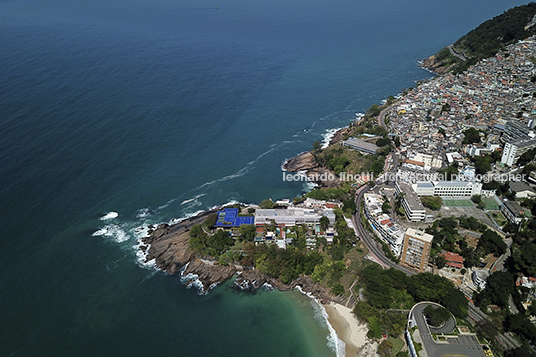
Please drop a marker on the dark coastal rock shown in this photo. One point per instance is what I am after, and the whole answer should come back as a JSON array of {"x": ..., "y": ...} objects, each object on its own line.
[
  {"x": 306, "y": 162},
  {"x": 209, "y": 273},
  {"x": 339, "y": 136},
  {"x": 431, "y": 64},
  {"x": 168, "y": 245},
  {"x": 253, "y": 279},
  {"x": 302, "y": 162}
]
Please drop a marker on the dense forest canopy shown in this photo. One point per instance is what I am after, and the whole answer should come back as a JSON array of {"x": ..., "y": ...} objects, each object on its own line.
[{"x": 489, "y": 38}]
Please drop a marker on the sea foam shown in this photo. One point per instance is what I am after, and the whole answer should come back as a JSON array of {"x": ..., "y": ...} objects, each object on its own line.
[
  {"x": 328, "y": 135},
  {"x": 334, "y": 342},
  {"x": 113, "y": 231},
  {"x": 109, "y": 215}
]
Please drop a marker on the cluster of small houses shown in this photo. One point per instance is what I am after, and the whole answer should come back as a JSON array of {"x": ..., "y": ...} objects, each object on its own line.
[
  {"x": 495, "y": 95},
  {"x": 431, "y": 118}
]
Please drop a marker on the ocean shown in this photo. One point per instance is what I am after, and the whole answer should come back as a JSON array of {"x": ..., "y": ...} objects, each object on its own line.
[{"x": 156, "y": 110}]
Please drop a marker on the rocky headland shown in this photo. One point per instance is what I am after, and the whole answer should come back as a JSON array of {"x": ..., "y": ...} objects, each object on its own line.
[{"x": 168, "y": 246}]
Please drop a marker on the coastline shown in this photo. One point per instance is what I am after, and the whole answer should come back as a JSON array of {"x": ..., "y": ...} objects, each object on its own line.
[{"x": 352, "y": 332}]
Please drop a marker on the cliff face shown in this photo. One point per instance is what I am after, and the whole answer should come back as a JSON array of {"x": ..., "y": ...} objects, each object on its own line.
[
  {"x": 432, "y": 64},
  {"x": 253, "y": 279},
  {"x": 168, "y": 245}
]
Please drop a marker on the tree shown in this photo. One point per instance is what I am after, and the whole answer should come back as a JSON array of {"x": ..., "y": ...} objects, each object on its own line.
[
  {"x": 492, "y": 243},
  {"x": 337, "y": 289},
  {"x": 476, "y": 198},
  {"x": 266, "y": 204},
  {"x": 440, "y": 261},
  {"x": 432, "y": 202},
  {"x": 499, "y": 286},
  {"x": 471, "y": 136},
  {"x": 384, "y": 349},
  {"x": 436, "y": 315},
  {"x": 429, "y": 287},
  {"x": 247, "y": 232},
  {"x": 382, "y": 142},
  {"x": 349, "y": 206},
  {"x": 386, "y": 207},
  {"x": 456, "y": 302},
  {"x": 521, "y": 325},
  {"x": 374, "y": 110},
  {"x": 317, "y": 145},
  {"x": 324, "y": 223}
]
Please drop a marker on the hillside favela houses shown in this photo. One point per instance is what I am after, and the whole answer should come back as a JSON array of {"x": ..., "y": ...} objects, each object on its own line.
[{"x": 446, "y": 123}]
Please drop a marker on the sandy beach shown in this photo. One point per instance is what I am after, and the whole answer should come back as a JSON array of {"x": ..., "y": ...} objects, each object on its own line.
[{"x": 350, "y": 330}]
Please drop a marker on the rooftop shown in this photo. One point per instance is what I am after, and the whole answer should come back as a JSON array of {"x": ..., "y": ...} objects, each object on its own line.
[{"x": 422, "y": 235}]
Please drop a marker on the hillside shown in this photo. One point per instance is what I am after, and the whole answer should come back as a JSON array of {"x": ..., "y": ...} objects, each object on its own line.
[{"x": 485, "y": 41}]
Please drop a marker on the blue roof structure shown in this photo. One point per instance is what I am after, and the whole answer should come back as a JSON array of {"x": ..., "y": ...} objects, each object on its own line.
[{"x": 229, "y": 218}]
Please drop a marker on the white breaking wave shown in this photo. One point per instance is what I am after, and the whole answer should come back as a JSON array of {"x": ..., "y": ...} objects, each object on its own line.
[
  {"x": 143, "y": 213},
  {"x": 334, "y": 342},
  {"x": 179, "y": 220},
  {"x": 113, "y": 231},
  {"x": 109, "y": 215},
  {"x": 193, "y": 199},
  {"x": 141, "y": 256},
  {"x": 327, "y": 136}
]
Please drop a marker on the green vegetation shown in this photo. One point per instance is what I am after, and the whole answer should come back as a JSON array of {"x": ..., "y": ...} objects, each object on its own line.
[
  {"x": 432, "y": 202},
  {"x": 339, "y": 159},
  {"x": 492, "y": 243},
  {"x": 446, "y": 237},
  {"x": 207, "y": 245},
  {"x": 489, "y": 38},
  {"x": 267, "y": 204},
  {"x": 392, "y": 289},
  {"x": 436, "y": 315},
  {"x": 449, "y": 172},
  {"x": 471, "y": 136}
]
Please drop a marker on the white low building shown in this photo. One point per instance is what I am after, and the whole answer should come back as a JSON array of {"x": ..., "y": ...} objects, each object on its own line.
[
  {"x": 292, "y": 216},
  {"x": 447, "y": 188},
  {"x": 389, "y": 231}
]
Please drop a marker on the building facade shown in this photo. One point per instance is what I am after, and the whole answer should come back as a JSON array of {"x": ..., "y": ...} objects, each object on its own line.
[
  {"x": 416, "y": 248},
  {"x": 448, "y": 188},
  {"x": 415, "y": 211}
]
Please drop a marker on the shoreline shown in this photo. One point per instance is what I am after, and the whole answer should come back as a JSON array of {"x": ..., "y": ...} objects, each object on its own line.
[{"x": 349, "y": 330}]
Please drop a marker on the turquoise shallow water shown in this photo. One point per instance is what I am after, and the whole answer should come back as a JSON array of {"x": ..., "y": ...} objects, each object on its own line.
[{"x": 156, "y": 110}]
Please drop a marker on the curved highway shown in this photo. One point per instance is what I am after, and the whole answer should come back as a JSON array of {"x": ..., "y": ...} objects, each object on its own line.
[{"x": 373, "y": 247}]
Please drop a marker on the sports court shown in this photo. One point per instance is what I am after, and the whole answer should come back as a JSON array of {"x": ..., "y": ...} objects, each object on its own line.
[
  {"x": 457, "y": 202},
  {"x": 490, "y": 203},
  {"x": 229, "y": 218}
]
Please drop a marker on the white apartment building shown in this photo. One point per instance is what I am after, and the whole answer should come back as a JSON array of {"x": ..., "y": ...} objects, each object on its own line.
[{"x": 447, "y": 188}]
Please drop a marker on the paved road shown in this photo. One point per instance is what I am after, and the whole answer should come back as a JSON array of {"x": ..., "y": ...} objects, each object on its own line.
[
  {"x": 373, "y": 247},
  {"x": 381, "y": 117},
  {"x": 466, "y": 345},
  {"x": 459, "y": 55}
]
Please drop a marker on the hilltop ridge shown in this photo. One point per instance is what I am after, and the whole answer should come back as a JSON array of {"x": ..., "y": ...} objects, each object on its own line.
[{"x": 485, "y": 40}]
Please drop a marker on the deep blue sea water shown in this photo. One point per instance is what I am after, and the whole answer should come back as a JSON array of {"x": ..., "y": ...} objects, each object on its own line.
[{"x": 156, "y": 110}]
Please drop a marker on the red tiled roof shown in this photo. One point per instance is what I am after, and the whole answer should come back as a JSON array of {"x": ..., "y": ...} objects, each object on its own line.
[
  {"x": 385, "y": 221},
  {"x": 418, "y": 163},
  {"x": 453, "y": 260}
]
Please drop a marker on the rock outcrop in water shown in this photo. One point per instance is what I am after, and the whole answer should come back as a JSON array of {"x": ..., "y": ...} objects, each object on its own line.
[
  {"x": 168, "y": 245},
  {"x": 253, "y": 279}
]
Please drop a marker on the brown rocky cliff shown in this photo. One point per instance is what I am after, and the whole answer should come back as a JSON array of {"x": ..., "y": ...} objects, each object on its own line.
[{"x": 431, "y": 64}]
